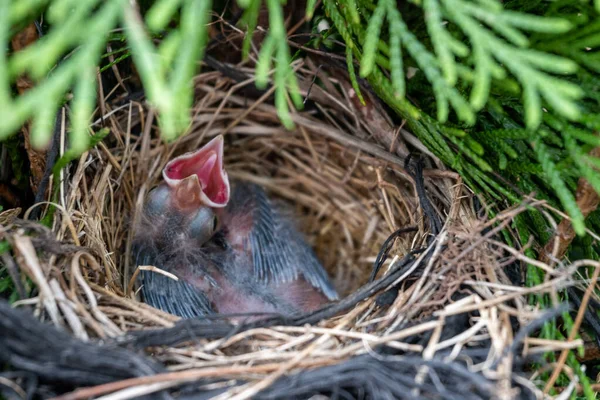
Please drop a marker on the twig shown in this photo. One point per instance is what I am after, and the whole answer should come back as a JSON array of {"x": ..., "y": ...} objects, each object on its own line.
[{"x": 150, "y": 268}]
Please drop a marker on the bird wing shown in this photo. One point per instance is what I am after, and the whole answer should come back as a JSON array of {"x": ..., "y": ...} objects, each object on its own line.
[
  {"x": 279, "y": 252},
  {"x": 176, "y": 297}
]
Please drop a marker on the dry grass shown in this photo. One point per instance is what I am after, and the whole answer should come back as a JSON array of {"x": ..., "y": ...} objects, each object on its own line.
[{"x": 349, "y": 194}]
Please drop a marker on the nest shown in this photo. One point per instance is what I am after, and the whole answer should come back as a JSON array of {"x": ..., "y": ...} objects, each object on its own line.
[{"x": 444, "y": 317}]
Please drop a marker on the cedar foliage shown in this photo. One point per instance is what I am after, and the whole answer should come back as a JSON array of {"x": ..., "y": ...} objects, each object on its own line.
[{"x": 505, "y": 93}]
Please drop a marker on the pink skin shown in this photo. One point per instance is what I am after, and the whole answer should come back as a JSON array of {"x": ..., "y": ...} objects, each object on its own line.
[{"x": 229, "y": 299}]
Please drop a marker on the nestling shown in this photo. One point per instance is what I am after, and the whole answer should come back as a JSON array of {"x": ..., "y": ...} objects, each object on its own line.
[{"x": 230, "y": 247}]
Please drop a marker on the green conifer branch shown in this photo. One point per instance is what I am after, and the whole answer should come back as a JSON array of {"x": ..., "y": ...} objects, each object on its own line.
[
  {"x": 352, "y": 74},
  {"x": 559, "y": 186},
  {"x": 500, "y": 48},
  {"x": 471, "y": 56},
  {"x": 40, "y": 103}
]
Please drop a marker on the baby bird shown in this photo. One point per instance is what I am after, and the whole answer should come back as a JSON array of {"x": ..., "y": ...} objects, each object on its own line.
[{"x": 231, "y": 248}]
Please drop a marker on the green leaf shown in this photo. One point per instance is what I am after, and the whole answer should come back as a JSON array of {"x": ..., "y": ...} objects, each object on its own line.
[
  {"x": 310, "y": 8},
  {"x": 282, "y": 108},
  {"x": 492, "y": 5},
  {"x": 473, "y": 155},
  {"x": 372, "y": 39},
  {"x": 161, "y": 14},
  {"x": 493, "y": 18},
  {"x": 439, "y": 37},
  {"x": 585, "y": 137},
  {"x": 577, "y": 154},
  {"x": 352, "y": 74},
  {"x": 353, "y": 11},
  {"x": 151, "y": 71},
  {"x": 39, "y": 58},
  {"x": 396, "y": 63},
  {"x": 169, "y": 49},
  {"x": 535, "y": 23},
  {"x": 482, "y": 82},
  {"x": 502, "y": 161},
  {"x": 195, "y": 16},
  {"x": 557, "y": 183},
  {"x": 22, "y": 9},
  {"x": 475, "y": 146},
  {"x": 5, "y": 90},
  {"x": 549, "y": 62},
  {"x": 264, "y": 62},
  {"x": 562, "y": 105},
  {"x": 244, "y": 3},
  {"x": 83, "y": 105},
  {"x": 533, "y": 106},
  {"x": 42, "y": 125},
  {"x": 250, "y": 17}
]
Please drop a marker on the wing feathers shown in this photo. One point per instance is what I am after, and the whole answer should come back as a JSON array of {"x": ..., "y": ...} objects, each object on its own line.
[{"x": 279, "y": 252}]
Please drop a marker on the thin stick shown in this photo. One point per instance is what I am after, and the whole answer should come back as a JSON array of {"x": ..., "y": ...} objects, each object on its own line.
[{"x": 147, "y": 268}]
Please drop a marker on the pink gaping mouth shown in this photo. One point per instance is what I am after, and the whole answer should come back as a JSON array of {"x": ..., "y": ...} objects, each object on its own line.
[{"x": 200, "y": 175}]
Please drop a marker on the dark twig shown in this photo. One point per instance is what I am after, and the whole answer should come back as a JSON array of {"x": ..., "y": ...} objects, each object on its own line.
[
  {"x": 216, "y": 41},
  {"x": 385, "y": 249},
  {"x": 415, "y": 170},
  {"x": 386, "y": 377},
  {"x": 54, "y": 356},
  {"x": 312, "y": 83},
  {"x": 51, "y": 157}
]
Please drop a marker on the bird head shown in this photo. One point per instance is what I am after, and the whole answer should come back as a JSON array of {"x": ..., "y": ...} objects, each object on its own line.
[{"x": 195, "y": 188}]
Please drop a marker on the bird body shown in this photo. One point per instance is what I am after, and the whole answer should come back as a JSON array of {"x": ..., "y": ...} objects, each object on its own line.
[{"x": 233, "y": 251}]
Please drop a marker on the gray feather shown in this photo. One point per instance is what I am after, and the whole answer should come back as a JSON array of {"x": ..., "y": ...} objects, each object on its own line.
[
  {"x": 280, "y": 253},
  {"x": 175, "y": 297}
]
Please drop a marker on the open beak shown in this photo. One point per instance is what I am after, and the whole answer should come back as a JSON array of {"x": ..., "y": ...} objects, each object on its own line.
[{"x": 198, "y": 178}]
